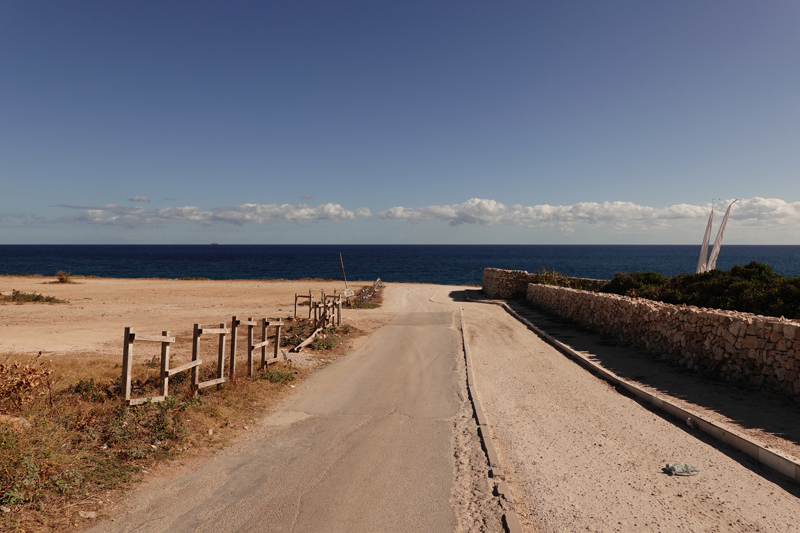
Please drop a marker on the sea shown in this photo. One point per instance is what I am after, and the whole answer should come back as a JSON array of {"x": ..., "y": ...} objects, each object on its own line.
[{"x": 440, "y": 264}]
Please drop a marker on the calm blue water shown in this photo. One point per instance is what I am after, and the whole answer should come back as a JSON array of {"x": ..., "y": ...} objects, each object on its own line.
[{"x": 448, "y": 264}]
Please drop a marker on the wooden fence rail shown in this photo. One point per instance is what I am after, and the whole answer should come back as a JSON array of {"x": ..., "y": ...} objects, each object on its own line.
[
  {"x": 197, "y": 332},
  {"x": 194, "y": 365},
  {"x": 127, "y": 365}
]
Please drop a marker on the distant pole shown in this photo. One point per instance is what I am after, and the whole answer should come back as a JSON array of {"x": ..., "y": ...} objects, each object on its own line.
[{"x": 343, "y": 272}]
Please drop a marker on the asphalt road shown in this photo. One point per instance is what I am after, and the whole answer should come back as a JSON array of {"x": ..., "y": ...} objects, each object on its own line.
[{"x": 366, "y": 444}]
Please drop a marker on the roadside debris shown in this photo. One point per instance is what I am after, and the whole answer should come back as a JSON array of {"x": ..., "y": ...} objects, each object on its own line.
[{"x": 681, "y": 469}]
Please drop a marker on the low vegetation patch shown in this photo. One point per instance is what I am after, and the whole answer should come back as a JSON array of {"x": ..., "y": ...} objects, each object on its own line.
[
  {"x": 753, "y": 288},
  {"x": 361, "y": 305},
  {"x": 544, "y": 277},
  {"x": 30, "y": 297},
  {"x": 300, "y": 329},
  {"x": 373, "y": 301},
  {"x": 70, "y": 448},
  {"x": 63, "y": 276}
]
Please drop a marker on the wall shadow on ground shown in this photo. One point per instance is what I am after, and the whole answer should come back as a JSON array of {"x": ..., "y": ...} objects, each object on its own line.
[{"x": 750, "y": 407}]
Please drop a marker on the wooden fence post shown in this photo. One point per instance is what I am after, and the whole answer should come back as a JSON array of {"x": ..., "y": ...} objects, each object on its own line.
[
  {"x": 127, "y": 359},
  {"x": 165, "y": 366},
  {"x": 277, "y": 338},
  {"x": 234, "y": 325},
  {"x": 195, "y": 352},
  {"x": 221, "y": 354},
  {"x": 250, "y": 347},
  {"x": 264, "y": 339},
  {"x": 339, "y": 312}
]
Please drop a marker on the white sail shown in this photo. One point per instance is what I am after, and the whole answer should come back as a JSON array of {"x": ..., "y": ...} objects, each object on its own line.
[
  {"x": 702, "y": 262},
  {"x": 712, "y": 259}
]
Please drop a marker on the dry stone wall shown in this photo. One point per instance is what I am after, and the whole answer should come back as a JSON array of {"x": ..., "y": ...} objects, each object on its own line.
[
  {"x": 499, "y": 283},
  {"x": 740, "y": 347}
]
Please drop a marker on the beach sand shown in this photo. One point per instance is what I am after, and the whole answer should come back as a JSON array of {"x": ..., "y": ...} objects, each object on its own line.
[{"x": 92, "y": 323}]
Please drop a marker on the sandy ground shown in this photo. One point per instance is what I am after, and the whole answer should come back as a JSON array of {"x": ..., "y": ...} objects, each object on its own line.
[
  {"x": 580, "y": 456},
  {"x": 99, "y": 309}
]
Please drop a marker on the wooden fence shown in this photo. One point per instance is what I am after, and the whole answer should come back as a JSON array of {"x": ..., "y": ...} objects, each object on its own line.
[{"x": 194, "y": 365}]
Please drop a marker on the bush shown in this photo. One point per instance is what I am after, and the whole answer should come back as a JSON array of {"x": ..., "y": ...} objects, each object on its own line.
[
  {"x": 323, "y": 342},
  {"x": 31, "y": 297},
  {"x": 544, "y": 277},
  {"x": 753, "y": 288},
  {"x": 22, "y": 384},
  {"x": 63, "y": 276}
]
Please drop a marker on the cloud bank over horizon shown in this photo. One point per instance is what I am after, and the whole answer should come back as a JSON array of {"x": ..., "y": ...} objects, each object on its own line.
[{"x": 768, "y": 212}]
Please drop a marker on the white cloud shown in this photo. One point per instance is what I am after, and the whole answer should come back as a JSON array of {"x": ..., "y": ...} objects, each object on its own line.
[
  {"x": 771, "y": 211},
  {"x": 117, "y": 215},
  {"x": 762, "y": 212},
  {"x": 139, "y": 199},
  {"x": 491, "y": 213}
]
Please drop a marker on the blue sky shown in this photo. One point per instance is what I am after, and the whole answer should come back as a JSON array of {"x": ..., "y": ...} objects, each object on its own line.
[{"x": 398, "y": 122}]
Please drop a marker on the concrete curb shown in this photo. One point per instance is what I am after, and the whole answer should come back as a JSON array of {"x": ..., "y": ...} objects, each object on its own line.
[
  {"x": 510, "y": 518},
  {"x": 774, "y": 459}
]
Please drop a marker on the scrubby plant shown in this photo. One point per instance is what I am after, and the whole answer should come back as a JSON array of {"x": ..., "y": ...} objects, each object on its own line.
[
  {"x": 63, "y": 276},
  {"x": 753, "y": 288},
  {"x": 278, "y": 376},
  {"x": 544, "y": 277},
  {"x": 31, "y": 297}
]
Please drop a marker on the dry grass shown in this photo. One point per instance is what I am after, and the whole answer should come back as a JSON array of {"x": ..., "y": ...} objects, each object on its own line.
[
  {"x": 18, "y": 297},
  {"x": 85, "y": 447}
]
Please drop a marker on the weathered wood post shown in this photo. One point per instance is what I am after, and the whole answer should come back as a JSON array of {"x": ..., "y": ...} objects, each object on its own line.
[
  {"x": 234, "y": 325},
  {"x": 195, "y": 353},
  {"x": 339, "y": 311},
  {"x": 277, "y": 337},
  {"x": 295, "y": 306},
  {"x": 249, "y": 322},
  {"x": 127, "y": 359},
  {"x": 165, "y": 366},
  {"x": 264, "y": 337},
  {"x": 221, "y": 354}
]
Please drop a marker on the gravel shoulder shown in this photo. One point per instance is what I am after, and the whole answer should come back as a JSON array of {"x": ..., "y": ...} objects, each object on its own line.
[{"x": 580, "y": 456}]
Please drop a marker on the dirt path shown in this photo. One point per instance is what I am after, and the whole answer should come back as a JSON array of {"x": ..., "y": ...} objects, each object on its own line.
[{"x": 580, "y": 456}]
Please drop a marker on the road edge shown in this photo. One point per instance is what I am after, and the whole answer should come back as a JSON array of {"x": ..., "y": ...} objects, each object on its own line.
[
  {"x": 778, "y": 461},
  {"x": 510, "y": 518}
]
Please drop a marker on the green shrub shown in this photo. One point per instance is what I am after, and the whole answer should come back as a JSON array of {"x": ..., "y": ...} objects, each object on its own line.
[
  {"x": 753, "y": 288},
  {"x": 323, "y": 342},
  {"x": 553, "y": 278},
  {"x": 277, "y": 376}
]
